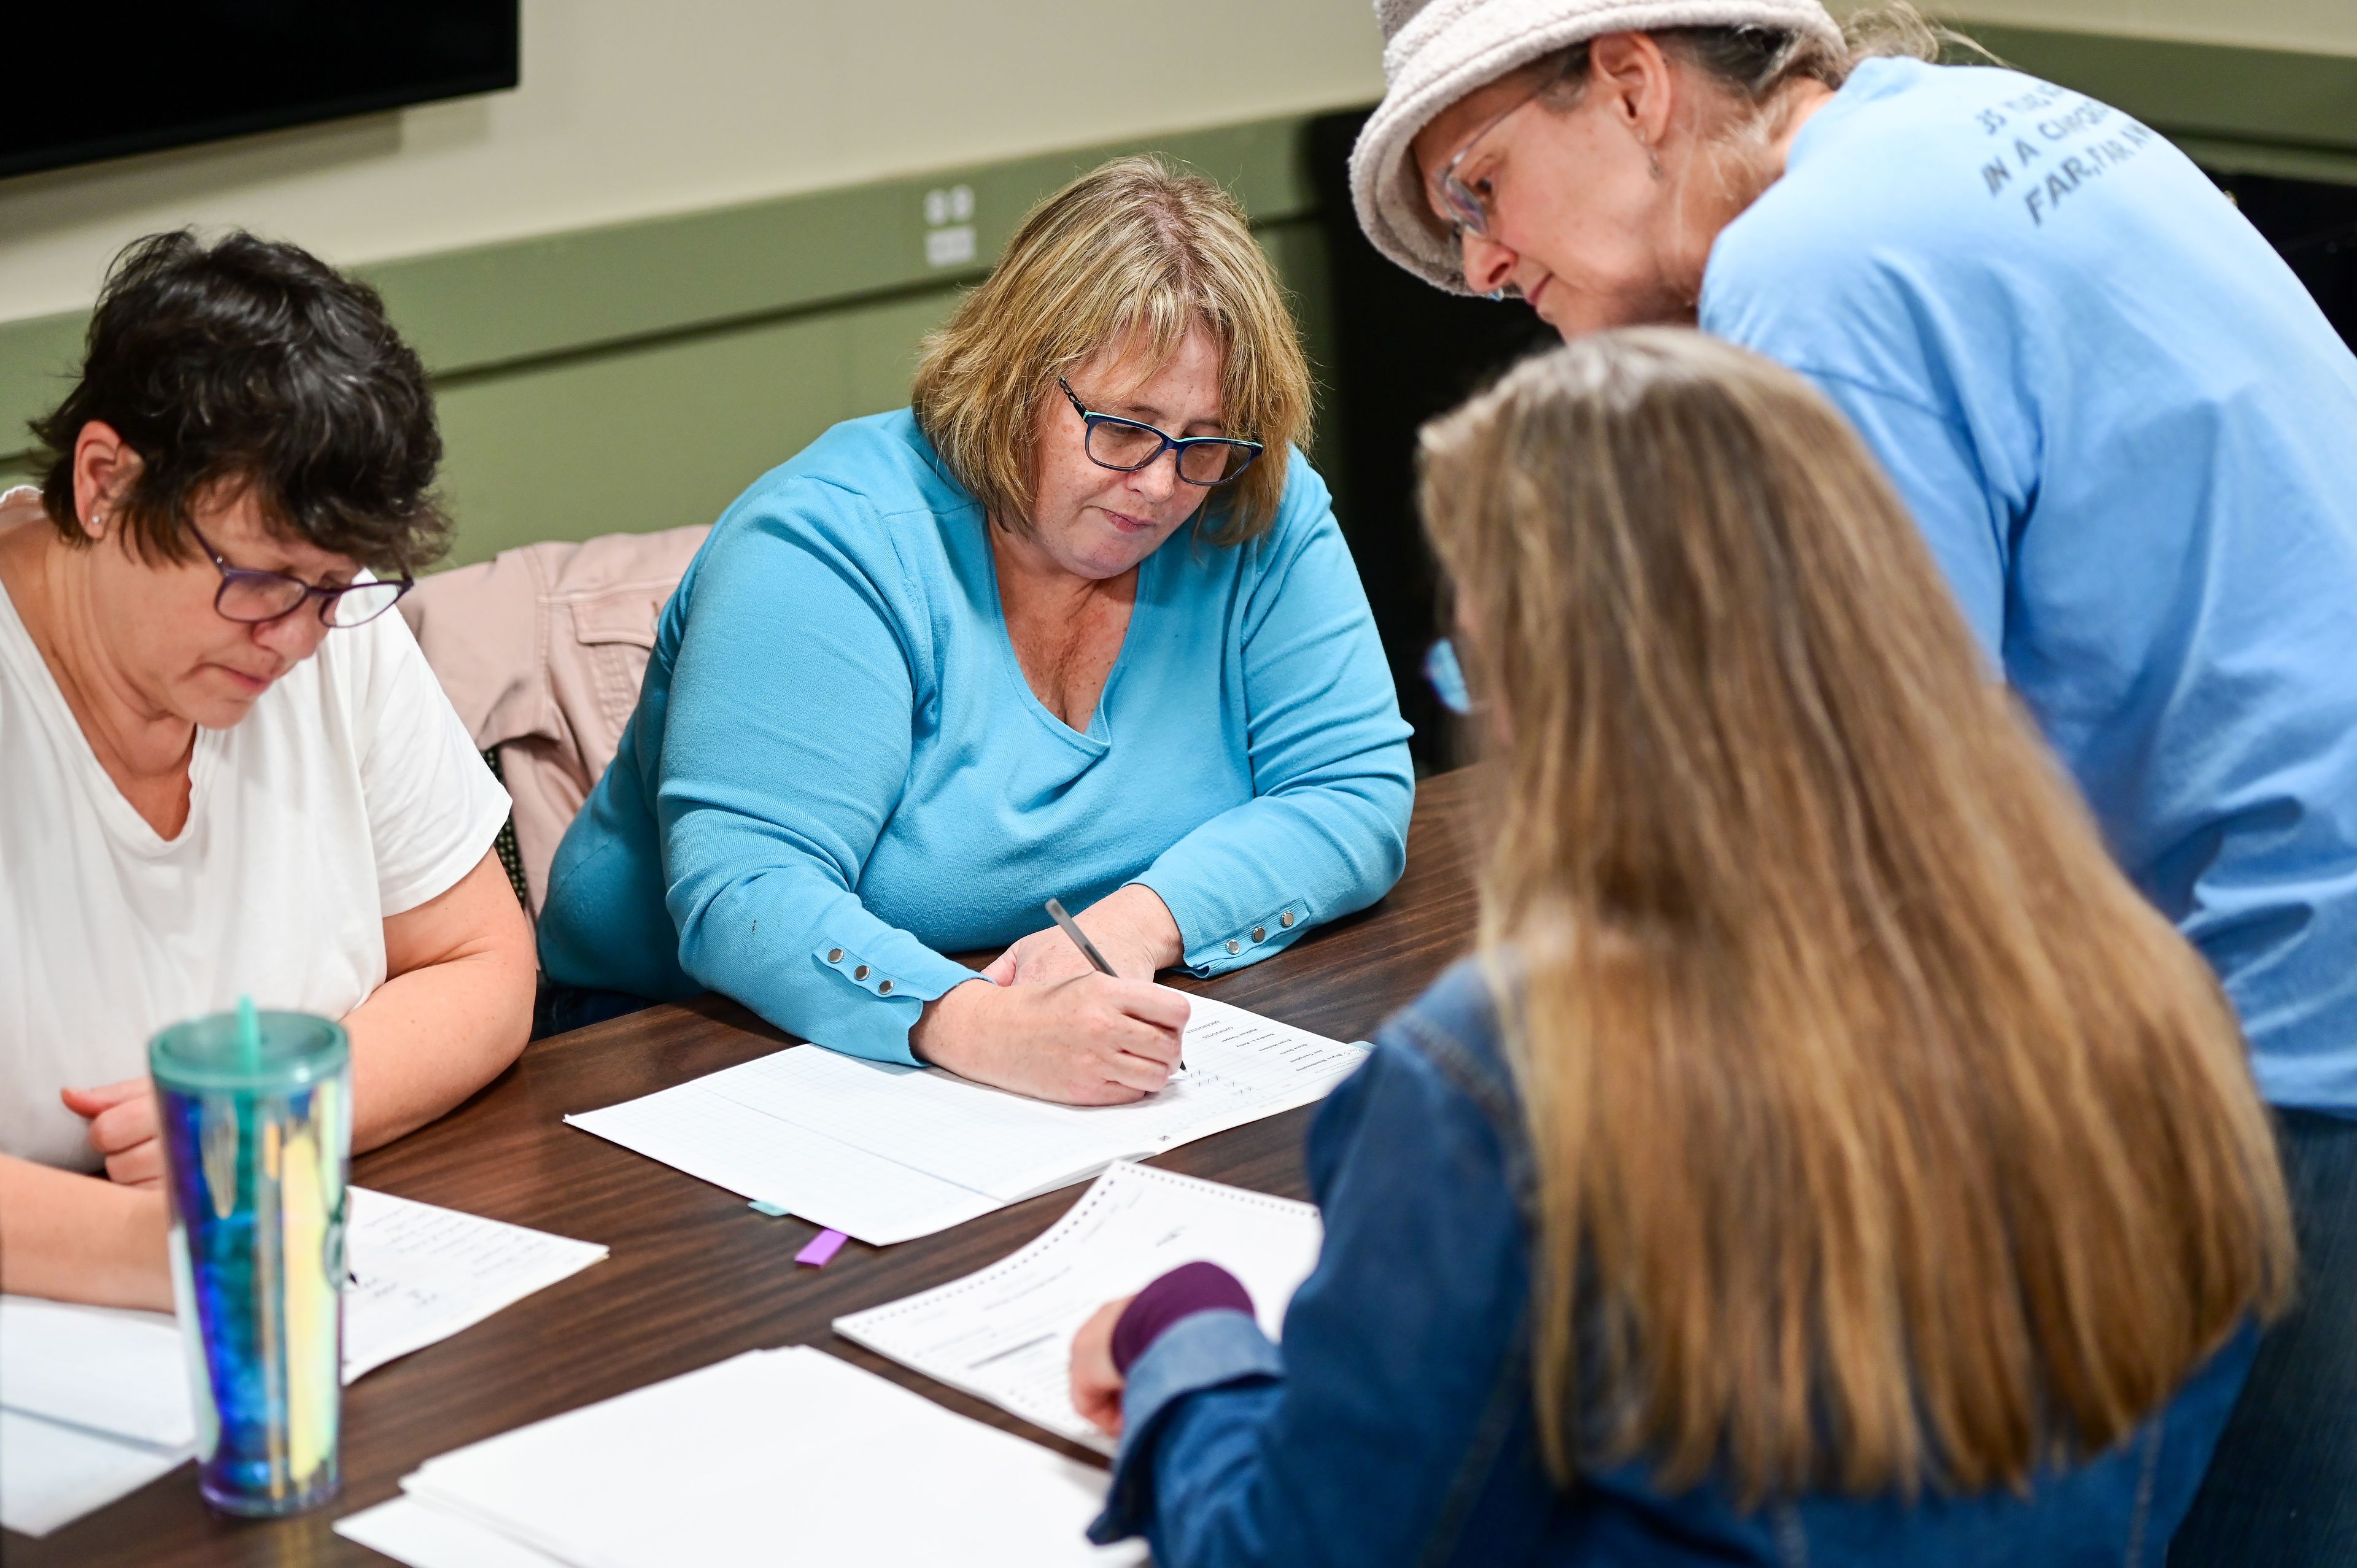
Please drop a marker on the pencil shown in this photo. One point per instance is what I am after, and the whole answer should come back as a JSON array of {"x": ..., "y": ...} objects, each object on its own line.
[{"x": 1070, "y": 928}]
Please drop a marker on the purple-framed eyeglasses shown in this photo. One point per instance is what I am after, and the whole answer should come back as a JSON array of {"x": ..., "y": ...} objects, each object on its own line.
[
  {"x": 257, "y": 598},
  {"x": 1126, "y": 445}
]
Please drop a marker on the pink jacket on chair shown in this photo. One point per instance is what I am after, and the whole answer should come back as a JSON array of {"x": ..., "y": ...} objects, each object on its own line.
[{"x": 542, "y": 651}]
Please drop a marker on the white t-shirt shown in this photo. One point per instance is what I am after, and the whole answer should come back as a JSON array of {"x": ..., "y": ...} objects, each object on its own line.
[{"x": 349, "y": 793}]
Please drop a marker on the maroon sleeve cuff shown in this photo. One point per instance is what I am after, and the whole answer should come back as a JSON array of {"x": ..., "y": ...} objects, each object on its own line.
[{"x": 1183, "y": 1292}]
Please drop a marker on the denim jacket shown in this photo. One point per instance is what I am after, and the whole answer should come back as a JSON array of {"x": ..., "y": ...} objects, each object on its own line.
[{"x": 1397, "y": 1426}]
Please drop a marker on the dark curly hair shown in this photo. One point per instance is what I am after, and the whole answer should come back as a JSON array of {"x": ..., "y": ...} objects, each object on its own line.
[{"x": 252, "y": 364}]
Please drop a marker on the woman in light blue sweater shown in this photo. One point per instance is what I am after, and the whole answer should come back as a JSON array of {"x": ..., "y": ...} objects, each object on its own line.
[{"x": 1079, "y": 624}]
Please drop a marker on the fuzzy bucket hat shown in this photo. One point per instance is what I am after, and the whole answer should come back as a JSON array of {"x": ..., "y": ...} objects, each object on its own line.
[{"x": 1436, "y": 51}]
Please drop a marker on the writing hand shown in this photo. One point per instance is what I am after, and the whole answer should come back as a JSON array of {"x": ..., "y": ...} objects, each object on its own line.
[
  {"x": 1132, "y": 927},
  {"x": 1089, "y": 1040}
]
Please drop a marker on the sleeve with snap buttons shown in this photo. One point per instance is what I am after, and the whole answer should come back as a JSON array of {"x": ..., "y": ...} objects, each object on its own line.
[{"x": 785, "y": 751}]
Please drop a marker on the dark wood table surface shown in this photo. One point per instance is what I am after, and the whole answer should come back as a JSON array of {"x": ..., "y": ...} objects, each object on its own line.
[{"x": 694, "y": 1275}]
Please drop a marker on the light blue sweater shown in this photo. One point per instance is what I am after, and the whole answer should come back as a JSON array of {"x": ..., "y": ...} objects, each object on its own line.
[{"x": 837, "y": 772}]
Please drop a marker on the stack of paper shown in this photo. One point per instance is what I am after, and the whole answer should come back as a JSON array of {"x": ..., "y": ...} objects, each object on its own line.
[
  {"x": 887, "y": 1153},
  {"x": 772, "y": 1456},
  {"x": 1006, "y": 1333},
  {"x": 52, "y": 1473},
  {"x": 94, "y": 1403}
]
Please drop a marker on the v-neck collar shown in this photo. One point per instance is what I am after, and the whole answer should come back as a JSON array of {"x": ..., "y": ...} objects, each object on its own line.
[
  {"x": 1097, "y": 738},
  {"x": 51, "y": 711}
]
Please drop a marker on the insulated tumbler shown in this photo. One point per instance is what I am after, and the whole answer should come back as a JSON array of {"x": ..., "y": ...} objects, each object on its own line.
[{"x": 257, "y": 1136}]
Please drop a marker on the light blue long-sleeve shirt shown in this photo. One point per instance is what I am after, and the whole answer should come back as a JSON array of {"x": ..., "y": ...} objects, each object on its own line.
[
  {"x": 837, "y": 772},
  {"x": 2131, "y": 439}
]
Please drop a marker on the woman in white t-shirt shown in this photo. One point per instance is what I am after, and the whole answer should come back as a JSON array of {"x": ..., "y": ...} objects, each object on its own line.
[{"x": 224, "y": 770}]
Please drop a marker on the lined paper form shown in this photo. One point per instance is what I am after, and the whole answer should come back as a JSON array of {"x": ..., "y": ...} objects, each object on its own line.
[
  {"x": 887, "y": 1153},
  {"x": 95, "y": 1402},
  {"x": 421, "y": 1273},
  {"x": 1006, "y": 1333},
  {"x": 769, "y": 1456}
]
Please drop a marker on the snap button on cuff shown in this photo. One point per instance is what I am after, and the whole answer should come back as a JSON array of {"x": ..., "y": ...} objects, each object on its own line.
[
  {"x": 835, "y": 955},
  {"x": 859, "y": 974},
  {"x": 1234, "y": 946},
  {"x": 1260, "y": 933},
  {"x": 883, "y": 988},
  {"x": 1285, "y": 919}
]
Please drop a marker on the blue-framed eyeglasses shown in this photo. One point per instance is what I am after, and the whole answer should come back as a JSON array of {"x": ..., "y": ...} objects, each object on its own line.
[
  {"x": 257, "y": 598},
  {"x": 1126, "y": 445}
]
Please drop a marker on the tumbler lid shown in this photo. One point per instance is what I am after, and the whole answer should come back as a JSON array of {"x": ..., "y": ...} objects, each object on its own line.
[{"x": 203, "y": 1055}]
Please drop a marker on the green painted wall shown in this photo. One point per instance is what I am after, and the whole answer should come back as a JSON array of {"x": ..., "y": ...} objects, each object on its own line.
[
  {"x": 2243, "y": 110},
  {"x": 666, "y": 433},
  {"x": 638, "y": 376}
]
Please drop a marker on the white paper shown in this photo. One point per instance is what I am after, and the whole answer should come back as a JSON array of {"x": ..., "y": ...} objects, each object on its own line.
[
  {"x": 715, "y": 1138},
  {"x": 410, "y": 1529},
  {"x": 122, "y": 1373},
  {"x": 118, "y": 1381},
  {"x": 886, "y": 1152},
  {"x": 775, "y": 1457},
  {"x": 1006, "y": 1333},
  {"x": 423, "y": 1274},
  {"x": 52, "y": 1473}
]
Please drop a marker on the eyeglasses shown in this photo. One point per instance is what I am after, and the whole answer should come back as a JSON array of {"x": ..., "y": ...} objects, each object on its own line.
[
  {"x": 1469, "y": 209},
  {"x": 1126, "y": 445},
  {"x": 257, "y": 598},
  {"x": 1447, "y": 677}
]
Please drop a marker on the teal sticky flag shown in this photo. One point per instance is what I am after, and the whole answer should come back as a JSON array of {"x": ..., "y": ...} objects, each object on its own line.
[{"x": 761, "y": 1206}]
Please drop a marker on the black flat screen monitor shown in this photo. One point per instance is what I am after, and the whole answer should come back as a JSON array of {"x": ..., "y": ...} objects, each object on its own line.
[{"x": 98, "y": 81}]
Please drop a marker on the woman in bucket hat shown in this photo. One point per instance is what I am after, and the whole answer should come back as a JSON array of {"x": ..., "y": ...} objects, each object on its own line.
[{"x": 2124, "y": 429}]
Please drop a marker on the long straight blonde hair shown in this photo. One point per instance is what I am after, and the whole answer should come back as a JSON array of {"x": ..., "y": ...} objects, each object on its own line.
[{"x": 1885, "y": 1135}]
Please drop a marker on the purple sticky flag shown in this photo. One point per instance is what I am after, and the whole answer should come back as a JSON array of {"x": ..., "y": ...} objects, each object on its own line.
[{"x": 822, "y": 1249}]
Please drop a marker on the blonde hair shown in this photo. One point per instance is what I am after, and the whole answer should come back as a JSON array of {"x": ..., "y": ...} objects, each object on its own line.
[
  {"x": 1884, "y": 1133},
  {"x": 1133, "y": 254}
]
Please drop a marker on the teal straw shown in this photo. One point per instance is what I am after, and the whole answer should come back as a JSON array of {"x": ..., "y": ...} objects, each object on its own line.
[{"x": 248, "y": 1035}]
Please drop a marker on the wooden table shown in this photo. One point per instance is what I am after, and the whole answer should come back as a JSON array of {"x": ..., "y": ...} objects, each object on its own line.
[{"x": 696, "y": 1276}]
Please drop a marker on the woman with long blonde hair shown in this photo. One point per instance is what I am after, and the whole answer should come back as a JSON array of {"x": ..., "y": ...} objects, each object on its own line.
[{"x": 1830, "y": 1159}]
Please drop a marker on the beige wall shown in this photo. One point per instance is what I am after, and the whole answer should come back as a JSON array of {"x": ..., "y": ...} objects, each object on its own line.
[
  {"x": 2321, "y": 24},
  {"x": 635, "y": 108}
]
